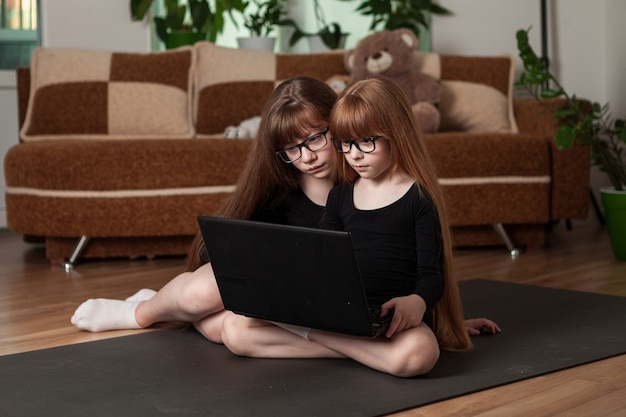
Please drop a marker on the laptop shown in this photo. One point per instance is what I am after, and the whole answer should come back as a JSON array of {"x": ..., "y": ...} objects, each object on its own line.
[{"x": 288, "y": 274}]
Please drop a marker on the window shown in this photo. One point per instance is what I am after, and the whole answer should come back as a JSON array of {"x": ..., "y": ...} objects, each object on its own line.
[{"x": 18, "y": 32}]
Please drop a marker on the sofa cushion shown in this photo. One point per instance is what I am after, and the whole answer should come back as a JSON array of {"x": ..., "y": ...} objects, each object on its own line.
[
  {"x": 86, "y": 94},
  {"x": 233, "y": 85},
  {"x": 118, "y": 188},
  {"x": 477, "y": 92},
  {"x": 503, "y": 177},
  {"x": 473, "y": 107}
]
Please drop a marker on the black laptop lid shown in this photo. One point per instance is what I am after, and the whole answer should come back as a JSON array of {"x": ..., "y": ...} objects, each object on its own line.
[{"x": 302, "y": 276}]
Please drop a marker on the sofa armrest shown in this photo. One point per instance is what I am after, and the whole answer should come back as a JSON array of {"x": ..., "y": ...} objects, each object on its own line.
[
  {"x": 570, "y": 167},
  {"x": 537, "y": 116},
  {"x": 570, "y": 182}
]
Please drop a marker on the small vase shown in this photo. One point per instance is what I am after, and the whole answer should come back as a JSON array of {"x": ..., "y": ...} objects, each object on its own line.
[
  {"x": 259, "y": 43},
  {"x": 614, "y": 203}
]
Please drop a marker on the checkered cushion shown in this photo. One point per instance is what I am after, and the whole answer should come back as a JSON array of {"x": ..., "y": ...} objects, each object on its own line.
[
  {"x": 84, "y": 94},
  {"x": 233, "y": 84}
]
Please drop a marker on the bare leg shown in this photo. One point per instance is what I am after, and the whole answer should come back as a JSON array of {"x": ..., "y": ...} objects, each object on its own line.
[
  {"x": 409, "y": 353},
  {"x": 245, "y": 336},
  {"x": 211, "y": 326},
  {"x": 190, "y": 297}
]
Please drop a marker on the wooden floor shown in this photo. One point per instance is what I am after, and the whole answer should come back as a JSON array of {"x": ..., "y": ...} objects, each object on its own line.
[{"x": 37, "y": 301}]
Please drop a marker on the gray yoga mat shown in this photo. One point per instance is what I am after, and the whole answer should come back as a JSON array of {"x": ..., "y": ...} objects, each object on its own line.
[{"x": 179, "y": 373}]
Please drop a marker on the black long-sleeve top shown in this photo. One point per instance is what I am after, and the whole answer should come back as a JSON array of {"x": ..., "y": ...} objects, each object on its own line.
[{"x": 399, "y": 247}]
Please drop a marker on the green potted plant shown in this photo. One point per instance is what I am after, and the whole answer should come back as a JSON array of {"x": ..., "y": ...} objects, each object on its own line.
[
  {"x": 584, "y": 123},
  {"x": 188, "y": 22},
  {"x": 395, "y": 14},
  {"x": 260, "y": 23},
  {"x": 327, "y": 36}
]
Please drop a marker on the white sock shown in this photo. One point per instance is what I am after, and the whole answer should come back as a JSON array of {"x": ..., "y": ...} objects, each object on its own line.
[
  {"x": 101, "y": 314},
  {"x": 298, "y": 330},
  {"x": 142, "y": 295}
]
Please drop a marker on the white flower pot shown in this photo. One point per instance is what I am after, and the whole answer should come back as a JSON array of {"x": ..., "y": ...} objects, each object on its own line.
[{"x": 259, "y": 43}]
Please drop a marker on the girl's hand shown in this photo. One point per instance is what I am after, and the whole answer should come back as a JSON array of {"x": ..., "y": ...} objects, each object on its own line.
[
  {"x": 481, "y": 325},
  {"x": 408, "y": 312}
]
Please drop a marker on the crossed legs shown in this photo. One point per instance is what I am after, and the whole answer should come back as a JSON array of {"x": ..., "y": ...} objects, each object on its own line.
[{"x": 411, "y": 352}]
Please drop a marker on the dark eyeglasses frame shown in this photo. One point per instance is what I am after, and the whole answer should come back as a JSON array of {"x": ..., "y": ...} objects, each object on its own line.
[
  {"x": 304, "y": 144},
  {"x": 339, "y": 143}
]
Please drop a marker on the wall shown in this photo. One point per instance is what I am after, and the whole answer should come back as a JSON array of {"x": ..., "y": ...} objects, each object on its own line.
[
  {"x": 8, "y": 128},
  {"x": 615, "y": 69},
  {"x": 93, "y": 24}
]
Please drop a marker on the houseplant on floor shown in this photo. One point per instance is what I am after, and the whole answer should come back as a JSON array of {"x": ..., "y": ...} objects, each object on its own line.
[
  {"x": 260, "y": 23},
  {"x": 328, "y": 35},
  {"x": 584, "y": 123},
  {"x": 186, "y": 23}
]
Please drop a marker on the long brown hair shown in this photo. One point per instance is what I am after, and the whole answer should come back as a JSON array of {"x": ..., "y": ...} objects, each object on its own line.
[
  {"x": 291, "y": 108},
  {"x": 377, "y": 106}
]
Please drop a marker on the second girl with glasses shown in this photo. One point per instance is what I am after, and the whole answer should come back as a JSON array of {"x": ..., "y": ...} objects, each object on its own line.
[
  {"x": 268, "y": 189},
  {"x": 391, "y": 203}
]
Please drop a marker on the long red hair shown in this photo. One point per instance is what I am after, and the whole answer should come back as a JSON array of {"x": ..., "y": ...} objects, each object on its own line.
[
  {"x": 377, "y": 106},
  {"x": 294, "y": 103}
]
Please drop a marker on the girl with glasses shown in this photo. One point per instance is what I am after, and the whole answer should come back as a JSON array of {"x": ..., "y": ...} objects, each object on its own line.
[
  {"x": 390, "y": 201},
  {"x": 286, "y": 178},
  {"x": 295, "y": 122}
]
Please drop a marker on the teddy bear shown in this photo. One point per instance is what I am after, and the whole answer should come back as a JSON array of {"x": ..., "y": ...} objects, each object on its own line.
[{"x": 391, "y": 53}]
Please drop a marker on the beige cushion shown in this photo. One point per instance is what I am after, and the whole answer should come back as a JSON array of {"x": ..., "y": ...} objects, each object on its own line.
[
  {"x": 473, "y": 107},
  {"x": 477, "y": 93},
  {"x": 86, "y": 94}
]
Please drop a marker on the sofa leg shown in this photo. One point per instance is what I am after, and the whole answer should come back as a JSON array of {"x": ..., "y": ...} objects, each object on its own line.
[
  {"x": 78, "y": 249},
  {"x": 513, "y": 251}
]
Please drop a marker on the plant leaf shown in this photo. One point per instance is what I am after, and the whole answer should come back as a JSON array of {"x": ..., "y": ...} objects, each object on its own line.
[
  {"x": 139, "y": 8},
  {"x": 564, "y": 137}
]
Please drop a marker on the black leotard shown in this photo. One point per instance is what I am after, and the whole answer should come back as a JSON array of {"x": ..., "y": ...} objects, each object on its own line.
[{"x": 399, "y": 247}]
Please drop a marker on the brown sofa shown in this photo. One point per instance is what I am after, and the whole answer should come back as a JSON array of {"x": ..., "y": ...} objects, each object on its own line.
[{"x": 119, "y": 153}]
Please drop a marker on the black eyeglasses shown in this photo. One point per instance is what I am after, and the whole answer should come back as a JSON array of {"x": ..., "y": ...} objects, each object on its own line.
[
  {"x": 365, "y": 145},
  {"x": 313, "y": 144}
]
